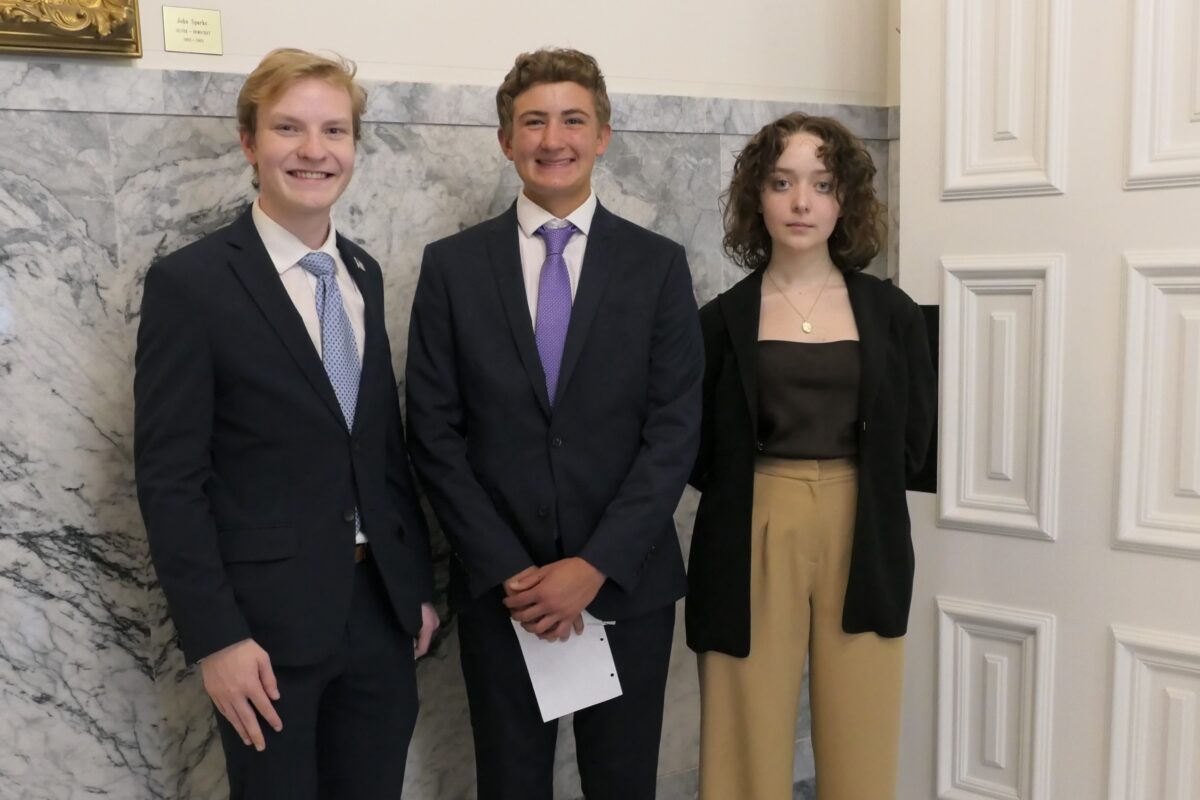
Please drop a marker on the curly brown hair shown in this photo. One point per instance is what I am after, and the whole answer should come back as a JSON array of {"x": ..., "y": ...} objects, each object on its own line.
[
  {"x": 552, "y": 65},
  {"x": 858, "y": 235}
]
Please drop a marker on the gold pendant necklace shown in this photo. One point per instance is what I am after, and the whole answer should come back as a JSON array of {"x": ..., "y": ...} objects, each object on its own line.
[{"x": 805, "y": 325}]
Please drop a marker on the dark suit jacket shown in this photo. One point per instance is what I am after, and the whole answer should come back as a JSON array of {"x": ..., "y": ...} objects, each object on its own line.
[
  {"x": 896, "y": 412},
  {"x": 247, "y": 476},
  {"x": 516, "y": 483}
]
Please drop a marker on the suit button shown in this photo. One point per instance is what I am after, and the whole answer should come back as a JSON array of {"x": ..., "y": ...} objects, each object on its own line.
[
  {"x": 543, "y": 511},
  {"x": 557, "y": 442},
  {"x": 759, "y": 446},
  {"x": 348, "y": 516}
]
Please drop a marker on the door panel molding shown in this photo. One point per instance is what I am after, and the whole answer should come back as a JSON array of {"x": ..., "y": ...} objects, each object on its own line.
[
  {"x": 1154, "y": 747},
  {"x": 1164, "y": 133},
  {"x": 1000, "y": 393},
  {"x": 1006, "y": 96},
  {"x": 1158, "y": 485},
  {"x": 995, "y": 701}
]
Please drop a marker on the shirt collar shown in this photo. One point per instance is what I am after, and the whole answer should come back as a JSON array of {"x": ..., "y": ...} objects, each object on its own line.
[
  {"x": 531, "y": 216},
  {"x": 282, "y": 245}
]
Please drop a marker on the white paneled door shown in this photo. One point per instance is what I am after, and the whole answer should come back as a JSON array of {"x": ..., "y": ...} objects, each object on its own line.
[{"x": 1050, "y": 204}]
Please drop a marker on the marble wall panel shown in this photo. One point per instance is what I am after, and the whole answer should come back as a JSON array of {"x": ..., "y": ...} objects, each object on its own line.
[
  {"x": 76, "y": 676},
  {"x": 94, "y": 694}
]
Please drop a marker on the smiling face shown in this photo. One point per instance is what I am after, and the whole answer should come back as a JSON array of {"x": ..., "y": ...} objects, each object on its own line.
[
  {"x": 799, "y": 200},
  {"x": 303, "y": 150},
  {"x": 553, "y": 143}
]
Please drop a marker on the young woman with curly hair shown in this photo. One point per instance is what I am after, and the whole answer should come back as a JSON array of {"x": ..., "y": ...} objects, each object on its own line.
[{"x": 818, "y": 403}]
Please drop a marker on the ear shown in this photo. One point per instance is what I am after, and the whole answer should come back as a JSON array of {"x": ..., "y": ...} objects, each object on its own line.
[
  {"x": 603, "y": 140},
  {"x": 505, "y": 140},
  {"x": 247, "y": 140}
]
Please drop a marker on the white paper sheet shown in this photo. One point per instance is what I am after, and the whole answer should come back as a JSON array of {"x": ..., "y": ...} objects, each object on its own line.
[{"x": 570, "y": 675}]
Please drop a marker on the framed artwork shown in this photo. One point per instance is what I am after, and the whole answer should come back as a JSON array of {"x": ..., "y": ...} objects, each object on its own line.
[{"x": 74, "y": 27}]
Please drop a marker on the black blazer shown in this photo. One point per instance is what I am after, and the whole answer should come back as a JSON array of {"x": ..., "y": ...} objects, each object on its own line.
[
  {"x": 515, "y": 483},
  {"x": 247, "y": 476},
  {"x": 896, "y": 413}
]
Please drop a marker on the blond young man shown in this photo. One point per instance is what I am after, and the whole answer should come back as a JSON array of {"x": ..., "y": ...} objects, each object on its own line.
[
  {"x": 553, "y": 380},
  {"x": 272, "y": 472}
]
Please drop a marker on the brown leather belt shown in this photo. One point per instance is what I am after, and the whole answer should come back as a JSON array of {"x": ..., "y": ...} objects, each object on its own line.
[{"x": 360, "y": 553}]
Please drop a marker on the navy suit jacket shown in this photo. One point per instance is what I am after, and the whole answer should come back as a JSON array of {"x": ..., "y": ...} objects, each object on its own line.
[
  {"x": 248, "y": 477},
  {"x": 517, "y": 483}
]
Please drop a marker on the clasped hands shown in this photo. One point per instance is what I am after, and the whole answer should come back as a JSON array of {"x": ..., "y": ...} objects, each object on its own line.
[{"x": 549, "y": 601}]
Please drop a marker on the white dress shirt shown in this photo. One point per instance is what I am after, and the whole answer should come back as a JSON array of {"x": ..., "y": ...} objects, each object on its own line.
[
  {"x": 286, "y": 251},
  {"x": 530, "y": 217}
]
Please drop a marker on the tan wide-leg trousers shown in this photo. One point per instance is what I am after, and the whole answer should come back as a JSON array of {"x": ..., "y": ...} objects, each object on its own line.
[{"x": 802, "y": 529}]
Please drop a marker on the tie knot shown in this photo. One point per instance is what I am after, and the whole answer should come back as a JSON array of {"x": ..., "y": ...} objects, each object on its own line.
[
  {"x": 319, "y": 264},
  {"x": 556, "y": 238}
]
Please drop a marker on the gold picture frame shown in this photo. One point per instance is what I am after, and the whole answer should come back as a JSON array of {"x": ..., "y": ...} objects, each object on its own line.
[{"x": 72, "y": 27}]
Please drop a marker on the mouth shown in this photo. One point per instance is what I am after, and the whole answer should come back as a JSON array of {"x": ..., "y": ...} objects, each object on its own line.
[
  {"x": 309, "y": 175},
  {"x": 800, "y": 226},
  {"x": 555, "y": 163}
]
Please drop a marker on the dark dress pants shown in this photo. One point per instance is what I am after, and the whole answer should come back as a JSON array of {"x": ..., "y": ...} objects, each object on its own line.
[
  {"x": 616, "y": 741},
  {"x": 347, "y": 720}
]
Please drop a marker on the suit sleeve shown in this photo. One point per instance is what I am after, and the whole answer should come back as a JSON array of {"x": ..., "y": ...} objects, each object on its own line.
[
  {"x": 401, "y": 485},
  {"x": 488, "y": 548},
  {"x": 173, "y": 417},
  {"x": 922, "y": 392},
  {"x": 644, "y": 505}
]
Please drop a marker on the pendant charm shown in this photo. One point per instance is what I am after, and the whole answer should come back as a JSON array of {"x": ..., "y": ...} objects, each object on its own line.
[{"x": 806, "y": 327}]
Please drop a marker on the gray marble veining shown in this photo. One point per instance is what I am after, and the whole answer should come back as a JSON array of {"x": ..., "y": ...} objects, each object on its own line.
[
  {"x": 94, "y": 696},
  {"x": 71, "y": 86},
  {"x": 44, "y": 85}
]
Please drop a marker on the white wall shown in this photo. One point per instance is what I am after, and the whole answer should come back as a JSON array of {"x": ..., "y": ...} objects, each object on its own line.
[{"x": 801, "y": 50}]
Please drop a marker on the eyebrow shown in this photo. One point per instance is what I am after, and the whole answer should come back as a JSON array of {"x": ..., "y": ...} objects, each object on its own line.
[
  {"x": 792, "y": 173},
  {"x": 289, "y": 118},
  {"x": 566, "y": 113}
]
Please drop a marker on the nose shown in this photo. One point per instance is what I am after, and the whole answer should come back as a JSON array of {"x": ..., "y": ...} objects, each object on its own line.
[
  {"x": 800, "y": 198},
  {"x": 551, "y": 136},
  {"x": 312, "y": 146}
]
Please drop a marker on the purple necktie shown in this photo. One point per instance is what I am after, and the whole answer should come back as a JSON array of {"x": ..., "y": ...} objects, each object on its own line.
[{"x": 554, "y": 303}]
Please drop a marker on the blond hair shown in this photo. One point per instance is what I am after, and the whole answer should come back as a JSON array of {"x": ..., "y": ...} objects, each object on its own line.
[{"x": 281, "y": 68}]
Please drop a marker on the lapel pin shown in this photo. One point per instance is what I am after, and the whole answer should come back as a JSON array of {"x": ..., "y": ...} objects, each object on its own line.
[{"x": 359, "y": 264}]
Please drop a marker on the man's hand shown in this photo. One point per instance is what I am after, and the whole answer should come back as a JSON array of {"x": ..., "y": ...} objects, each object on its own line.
[
  {"x": 239, "y": 680},
  {"x": 429, "y": 624},
  {"x": 551, "y": 601},
  {"x": 524, "y": 579}
]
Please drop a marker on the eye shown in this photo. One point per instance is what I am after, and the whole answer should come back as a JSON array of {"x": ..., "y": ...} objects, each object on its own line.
[
  {"x": 824, "y": 187},
  {"x": 780, "y": 184},
  {"x": 285, "y": 127},
  {"x": 533, "y": 123},
  {"x": 575, "y": 121},
  {"x": 337, "y": 131}
]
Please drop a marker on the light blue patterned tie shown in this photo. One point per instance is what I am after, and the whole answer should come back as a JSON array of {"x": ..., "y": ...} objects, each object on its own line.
[
  {"x": 554, "y": 304},
  {"x": 338, "y": 349}
]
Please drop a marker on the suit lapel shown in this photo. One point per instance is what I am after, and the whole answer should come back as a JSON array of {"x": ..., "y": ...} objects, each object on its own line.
[
  {"x": 249, "y": 260},
  {"x": 600, "y": 258},
  {"x": 373, "y": 322},
  {"x": 740, "y": 306},
  {"x": 872, "y": 318},
  {"x": 505, "y": 256}
]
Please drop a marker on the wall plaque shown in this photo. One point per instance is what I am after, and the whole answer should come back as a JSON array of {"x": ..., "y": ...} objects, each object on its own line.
[{"x": 191, "y": 30}]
